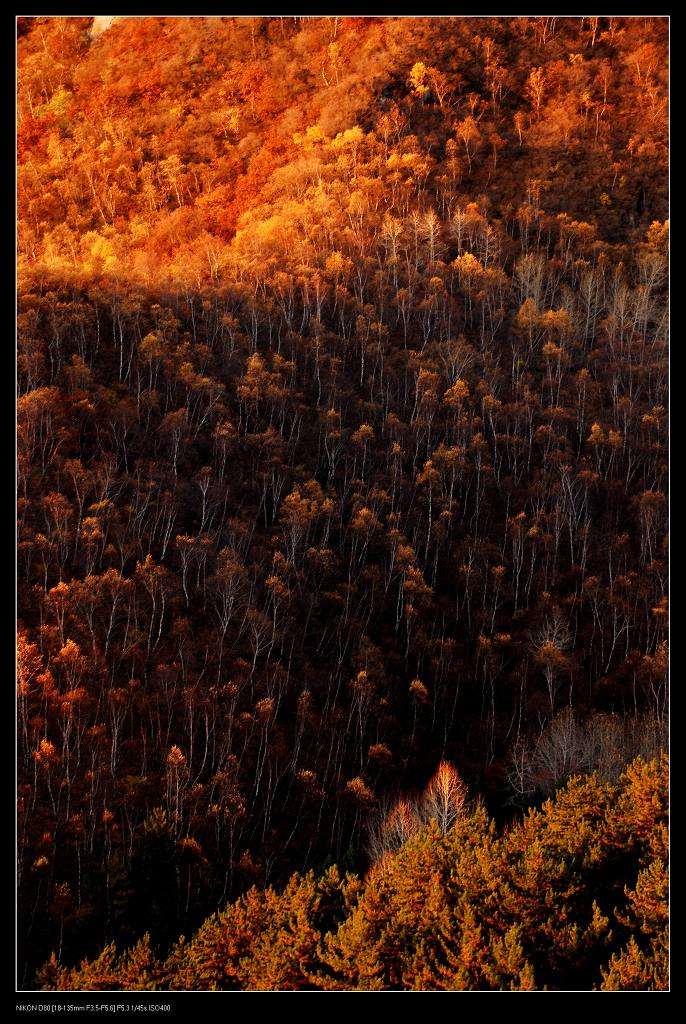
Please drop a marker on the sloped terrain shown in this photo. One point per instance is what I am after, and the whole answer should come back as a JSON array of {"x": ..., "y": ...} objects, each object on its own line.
[{"x": 342, "y": 440}]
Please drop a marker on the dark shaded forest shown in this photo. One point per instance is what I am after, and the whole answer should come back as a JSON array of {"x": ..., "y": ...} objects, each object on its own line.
[{"x": 342, "y": 456}]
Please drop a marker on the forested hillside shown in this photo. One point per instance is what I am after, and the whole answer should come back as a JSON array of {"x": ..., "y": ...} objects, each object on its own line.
[
  {"x": 573, "y": 897},
  {"x": 342, "y": 452}
]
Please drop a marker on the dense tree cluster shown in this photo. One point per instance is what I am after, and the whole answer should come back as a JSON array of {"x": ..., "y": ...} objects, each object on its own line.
[
  {"x": 573, "y": 897},
  {"x": 342, "y": 449}
]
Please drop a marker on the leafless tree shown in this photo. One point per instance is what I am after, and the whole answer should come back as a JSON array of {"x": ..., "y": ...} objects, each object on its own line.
[{"x": 444, "y": 801}]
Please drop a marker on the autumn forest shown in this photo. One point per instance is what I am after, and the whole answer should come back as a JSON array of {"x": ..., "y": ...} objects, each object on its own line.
[{"x": 342, "y": 503}]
